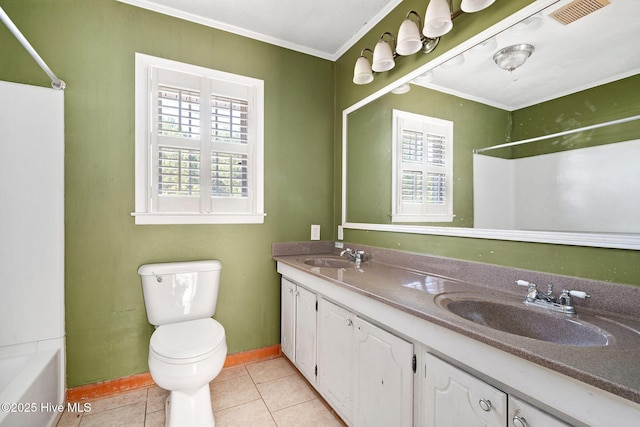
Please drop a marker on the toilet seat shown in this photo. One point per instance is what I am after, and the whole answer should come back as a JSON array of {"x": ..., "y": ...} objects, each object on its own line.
[{"x": 187, "y": 342}]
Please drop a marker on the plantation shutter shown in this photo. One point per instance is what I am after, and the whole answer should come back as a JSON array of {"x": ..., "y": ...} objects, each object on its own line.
[
  {"x": 202, "y": 144},
  {"x": 423, "y": 171}
]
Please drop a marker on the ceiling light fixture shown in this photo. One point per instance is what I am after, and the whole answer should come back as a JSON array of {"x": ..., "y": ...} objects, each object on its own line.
[{"x": 512, "y": 57}]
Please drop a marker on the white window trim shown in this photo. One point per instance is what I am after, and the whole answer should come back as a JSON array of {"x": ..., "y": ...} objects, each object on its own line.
[
  {"x": 397, "y": 214},
  {"x": 143, "y": 214}
]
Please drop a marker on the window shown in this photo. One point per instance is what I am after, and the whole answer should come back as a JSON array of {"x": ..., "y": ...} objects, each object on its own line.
[
  {"x": 199, "y": 145},
  {"x": 422, "y": 168}
]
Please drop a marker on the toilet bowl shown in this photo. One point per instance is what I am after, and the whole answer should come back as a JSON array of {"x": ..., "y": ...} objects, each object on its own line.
[
  {"x": 188, "y": 348},
  {"x": 184, "y": 358}
]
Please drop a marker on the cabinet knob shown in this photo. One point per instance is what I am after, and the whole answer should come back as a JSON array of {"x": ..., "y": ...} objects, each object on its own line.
[
  {"x": 485, "y": 404},
  {"x": 290, "y": 290},
  {"x": 349, "y": 322},
  {"x": 519, "y": 421}
]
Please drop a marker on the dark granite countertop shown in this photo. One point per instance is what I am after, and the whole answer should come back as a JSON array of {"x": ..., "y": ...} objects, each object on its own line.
[{"x": 414, "y": 283}]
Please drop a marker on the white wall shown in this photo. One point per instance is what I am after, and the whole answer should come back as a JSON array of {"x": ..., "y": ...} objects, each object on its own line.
[
  {"x": 594, "y": 189},
  {"x": 31, "y": 213},
  {"x": 493, "y": 192}
]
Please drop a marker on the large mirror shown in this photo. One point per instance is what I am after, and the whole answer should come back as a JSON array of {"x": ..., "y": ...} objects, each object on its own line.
[{"x": 546, "y": 152}]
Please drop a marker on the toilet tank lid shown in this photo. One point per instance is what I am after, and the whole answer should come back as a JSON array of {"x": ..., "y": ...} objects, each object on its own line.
[{"x": 179, "y": 267}]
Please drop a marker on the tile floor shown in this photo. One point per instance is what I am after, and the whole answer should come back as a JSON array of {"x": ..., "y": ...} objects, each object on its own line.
[{"x": 266, "y": 393}]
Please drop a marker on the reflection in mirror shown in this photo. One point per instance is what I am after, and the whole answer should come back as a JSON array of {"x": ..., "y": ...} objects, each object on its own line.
[{"x": 575, "y": 183}]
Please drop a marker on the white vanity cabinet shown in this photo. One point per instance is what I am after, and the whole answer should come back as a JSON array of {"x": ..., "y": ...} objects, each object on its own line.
[
  {"x": 335, "y": 356},
  {"x": 522, "y": 414},
  {"x": 452, "y": 398},
  {"x": 383, "y": 383},
  {"x": 364, "y": 372},
  {"x": 298, "y": 327}
]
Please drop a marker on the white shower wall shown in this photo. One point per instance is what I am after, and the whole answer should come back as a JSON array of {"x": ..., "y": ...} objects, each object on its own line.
[
  {"x": 595, "y": 189},
  {"x": 31, "y": 214}
]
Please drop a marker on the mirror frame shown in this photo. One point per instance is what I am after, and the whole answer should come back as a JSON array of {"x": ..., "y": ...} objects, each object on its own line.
[{"x": 602, "y": 240}]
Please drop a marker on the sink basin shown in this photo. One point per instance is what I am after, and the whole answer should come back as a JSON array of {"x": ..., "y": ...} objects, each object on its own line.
[
  {"x": 528, "y": 322},
  {"x": 329, "y": 262}
]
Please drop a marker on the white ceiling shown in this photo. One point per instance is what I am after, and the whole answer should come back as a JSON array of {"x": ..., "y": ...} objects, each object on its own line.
[
  {"x": 322, "y": 28},
  {"x": 596, "y": 49}
]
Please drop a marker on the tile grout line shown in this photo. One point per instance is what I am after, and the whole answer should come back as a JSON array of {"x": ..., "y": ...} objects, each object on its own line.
[{"x": 293, "y": 374}]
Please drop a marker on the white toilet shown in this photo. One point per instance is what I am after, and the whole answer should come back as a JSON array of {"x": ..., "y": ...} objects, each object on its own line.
[{"x": 188, "y": 348}]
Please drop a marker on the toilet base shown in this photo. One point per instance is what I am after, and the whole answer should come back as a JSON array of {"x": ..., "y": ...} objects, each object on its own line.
[{"x": 189, "y": 409}]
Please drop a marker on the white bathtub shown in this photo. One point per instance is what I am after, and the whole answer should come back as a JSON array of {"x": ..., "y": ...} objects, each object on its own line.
[{"x": 32, "y": 384}]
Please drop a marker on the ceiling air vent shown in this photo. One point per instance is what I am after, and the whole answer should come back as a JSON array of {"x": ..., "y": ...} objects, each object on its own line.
[{"x": 578, "y": 9}]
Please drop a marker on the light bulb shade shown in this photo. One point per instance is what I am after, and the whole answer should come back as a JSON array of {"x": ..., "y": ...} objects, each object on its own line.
[
  {"x": 402, "y": 89},
  {"x": 437, "y": 19},
  {"x": 513, "y": 57},
  {"x": 362, "y": 73},
  {"x": 409, "y": 39},
  {"x": 470, "y": 6},
  {"x": 382, "y": 57}
]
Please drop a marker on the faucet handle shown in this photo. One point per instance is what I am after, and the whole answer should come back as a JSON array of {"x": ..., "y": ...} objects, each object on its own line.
[
  {"x": 579, "y": 294},
  {"x": 565, "y": 297},
  {"x": 532, "y": 290},
  {"x": 530, "y": 286}
]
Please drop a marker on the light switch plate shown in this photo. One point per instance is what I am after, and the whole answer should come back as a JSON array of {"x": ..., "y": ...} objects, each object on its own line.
[{"x": 315, "y": 232}]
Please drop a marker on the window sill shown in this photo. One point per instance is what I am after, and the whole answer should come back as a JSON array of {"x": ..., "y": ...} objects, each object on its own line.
[
  {"x": 422, "y": 218},
  {"x": 145, "y": 218}
]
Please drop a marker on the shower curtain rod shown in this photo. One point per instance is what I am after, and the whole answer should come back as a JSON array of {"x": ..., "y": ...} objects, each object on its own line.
[
  {"x": 56, "y": 83},
  {"x": 567, "y": 132}
]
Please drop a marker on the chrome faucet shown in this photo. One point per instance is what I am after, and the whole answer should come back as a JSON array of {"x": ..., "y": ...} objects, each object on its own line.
[
  {"x": 355, "y": 256},
  {"x": 563, "y": 303}
]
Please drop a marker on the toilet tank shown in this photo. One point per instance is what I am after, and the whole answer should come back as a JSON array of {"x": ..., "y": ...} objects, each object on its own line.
[{"x": 180, "y": 291}]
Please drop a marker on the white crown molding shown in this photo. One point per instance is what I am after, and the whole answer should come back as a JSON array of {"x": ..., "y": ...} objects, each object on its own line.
[{"x": 331, "y": 56}]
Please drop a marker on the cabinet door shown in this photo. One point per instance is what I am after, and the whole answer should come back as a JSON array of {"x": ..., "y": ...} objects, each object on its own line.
[
  {"x": 287, "y": 324},
  {"x": 383, "y": 378},
  {"x": 305, "y": 336},
  {"x": 522, "y": 414},
  {"x": 335, "y": 355},
  {"x": 453, "y": 398}
]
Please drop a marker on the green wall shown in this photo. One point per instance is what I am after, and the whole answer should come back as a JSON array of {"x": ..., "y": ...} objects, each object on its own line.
[
  {"x": 90, "y": 44},
  {"x": 615, "y": 265},
  {"x": 612, "y": 101}
]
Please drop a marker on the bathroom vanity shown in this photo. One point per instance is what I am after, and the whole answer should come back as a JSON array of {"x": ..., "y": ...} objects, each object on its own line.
[{"x": 383, "y": 346}]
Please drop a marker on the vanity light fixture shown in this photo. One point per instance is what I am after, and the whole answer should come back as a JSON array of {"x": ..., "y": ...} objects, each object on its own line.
[
  {"x": 470, "y": 6},
  {"x": 383, "y": 54},
  {"x": 402, "y": 89},
  {"x": 512, "y": 57},
  {"x": 424, "y": 78},
  {"x": 362, "y": 73},
  {"x": 438, "y": 21},
  {"x": 437, "y": 18},
  {"x": 410, "y": 40}
]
